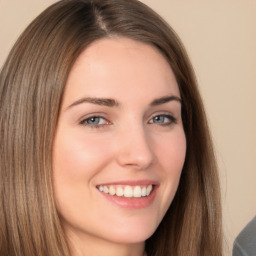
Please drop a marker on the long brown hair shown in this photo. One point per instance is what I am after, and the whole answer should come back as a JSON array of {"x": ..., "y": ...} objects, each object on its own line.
[{"x": 32, "y": 82}]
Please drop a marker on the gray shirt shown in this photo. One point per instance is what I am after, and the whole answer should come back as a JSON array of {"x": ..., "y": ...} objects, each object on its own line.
[{"x": 245, "y": 243}]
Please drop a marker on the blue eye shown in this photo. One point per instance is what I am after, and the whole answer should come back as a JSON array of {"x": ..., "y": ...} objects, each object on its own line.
[
  {"x": 94, "y": 121},
  {"x": 163, "y": 120}
]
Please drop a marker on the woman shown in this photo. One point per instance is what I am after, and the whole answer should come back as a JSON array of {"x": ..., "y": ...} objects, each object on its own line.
[{"x": 105, "y": 148}]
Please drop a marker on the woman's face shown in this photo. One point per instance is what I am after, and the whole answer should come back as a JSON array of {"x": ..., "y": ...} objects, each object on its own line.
[{"x": 120, "y": 145}]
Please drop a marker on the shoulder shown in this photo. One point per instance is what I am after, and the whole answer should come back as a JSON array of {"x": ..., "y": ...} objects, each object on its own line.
[{"x": 245, "y": 243}]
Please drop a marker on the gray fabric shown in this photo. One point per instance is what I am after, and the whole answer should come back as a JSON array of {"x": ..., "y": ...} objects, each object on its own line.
[{"x": 245, "y": 243}]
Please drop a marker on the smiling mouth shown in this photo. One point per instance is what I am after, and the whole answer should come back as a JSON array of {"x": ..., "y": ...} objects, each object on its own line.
[{"x": 126, "y": 191}]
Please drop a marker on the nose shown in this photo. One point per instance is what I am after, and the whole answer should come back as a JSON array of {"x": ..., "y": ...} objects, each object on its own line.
[{"x": 134, "y": 148}]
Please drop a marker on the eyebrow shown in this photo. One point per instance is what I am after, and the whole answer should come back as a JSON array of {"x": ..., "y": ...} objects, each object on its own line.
[
  {"x": 113, "y": 103},
  {"x": 98, "y": 101},
  {"x": 165, "y": 99}
]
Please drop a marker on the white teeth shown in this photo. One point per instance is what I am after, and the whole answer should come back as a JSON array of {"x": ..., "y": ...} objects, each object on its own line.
[
  {"x": 112, "y": 191},
  {"x": 119, "y": 191},
  {"x": 105, "y": 189},
  {"x": 144, "y": 191},
  {"x": 149, "y": 189},
  {"x": 137, "y": 192},
  {"x": 127, "y": 191}
]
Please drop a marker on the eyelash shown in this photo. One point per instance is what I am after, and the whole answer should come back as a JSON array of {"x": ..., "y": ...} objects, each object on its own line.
[
  {"x": 172, "y": 119},
  {"x": 84, "y": 122}
]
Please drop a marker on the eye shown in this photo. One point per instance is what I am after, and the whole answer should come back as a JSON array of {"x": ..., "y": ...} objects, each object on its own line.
[
  {"x": 163, "y": 120},
  {"x": 94, "y": 121}
]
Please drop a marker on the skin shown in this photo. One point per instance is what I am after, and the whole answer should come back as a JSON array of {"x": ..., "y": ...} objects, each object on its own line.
[{"x": 133, "y": 140}]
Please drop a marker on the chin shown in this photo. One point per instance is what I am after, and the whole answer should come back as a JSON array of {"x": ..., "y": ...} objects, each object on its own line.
[{"x": 132, "y": 234}]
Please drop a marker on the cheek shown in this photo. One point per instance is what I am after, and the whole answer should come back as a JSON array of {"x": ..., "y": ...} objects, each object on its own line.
[
  {"x": 78, "y": 155},
  {"x": 77, "y": 159},
  {"x": 171, "y": 152},
  {"x": 175, "y": 158}
]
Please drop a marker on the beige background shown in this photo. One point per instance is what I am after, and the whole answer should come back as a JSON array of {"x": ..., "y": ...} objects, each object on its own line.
[{"x": 220, "y": 37}]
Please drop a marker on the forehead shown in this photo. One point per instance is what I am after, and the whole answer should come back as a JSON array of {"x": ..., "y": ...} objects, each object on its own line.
[{"x": 111, "y": 65}]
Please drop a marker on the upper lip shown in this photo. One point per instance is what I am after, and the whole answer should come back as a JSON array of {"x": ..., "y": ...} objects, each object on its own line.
[{"x": 130, "y": 183}]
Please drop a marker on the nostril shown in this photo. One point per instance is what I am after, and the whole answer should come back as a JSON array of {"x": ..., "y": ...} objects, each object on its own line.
[
  {"x": 133, "y": 147},
  {"x": 139, "y": 159}
]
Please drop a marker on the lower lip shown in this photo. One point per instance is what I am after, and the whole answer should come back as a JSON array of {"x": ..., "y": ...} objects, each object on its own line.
[{"x": 132, "y": 202}]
